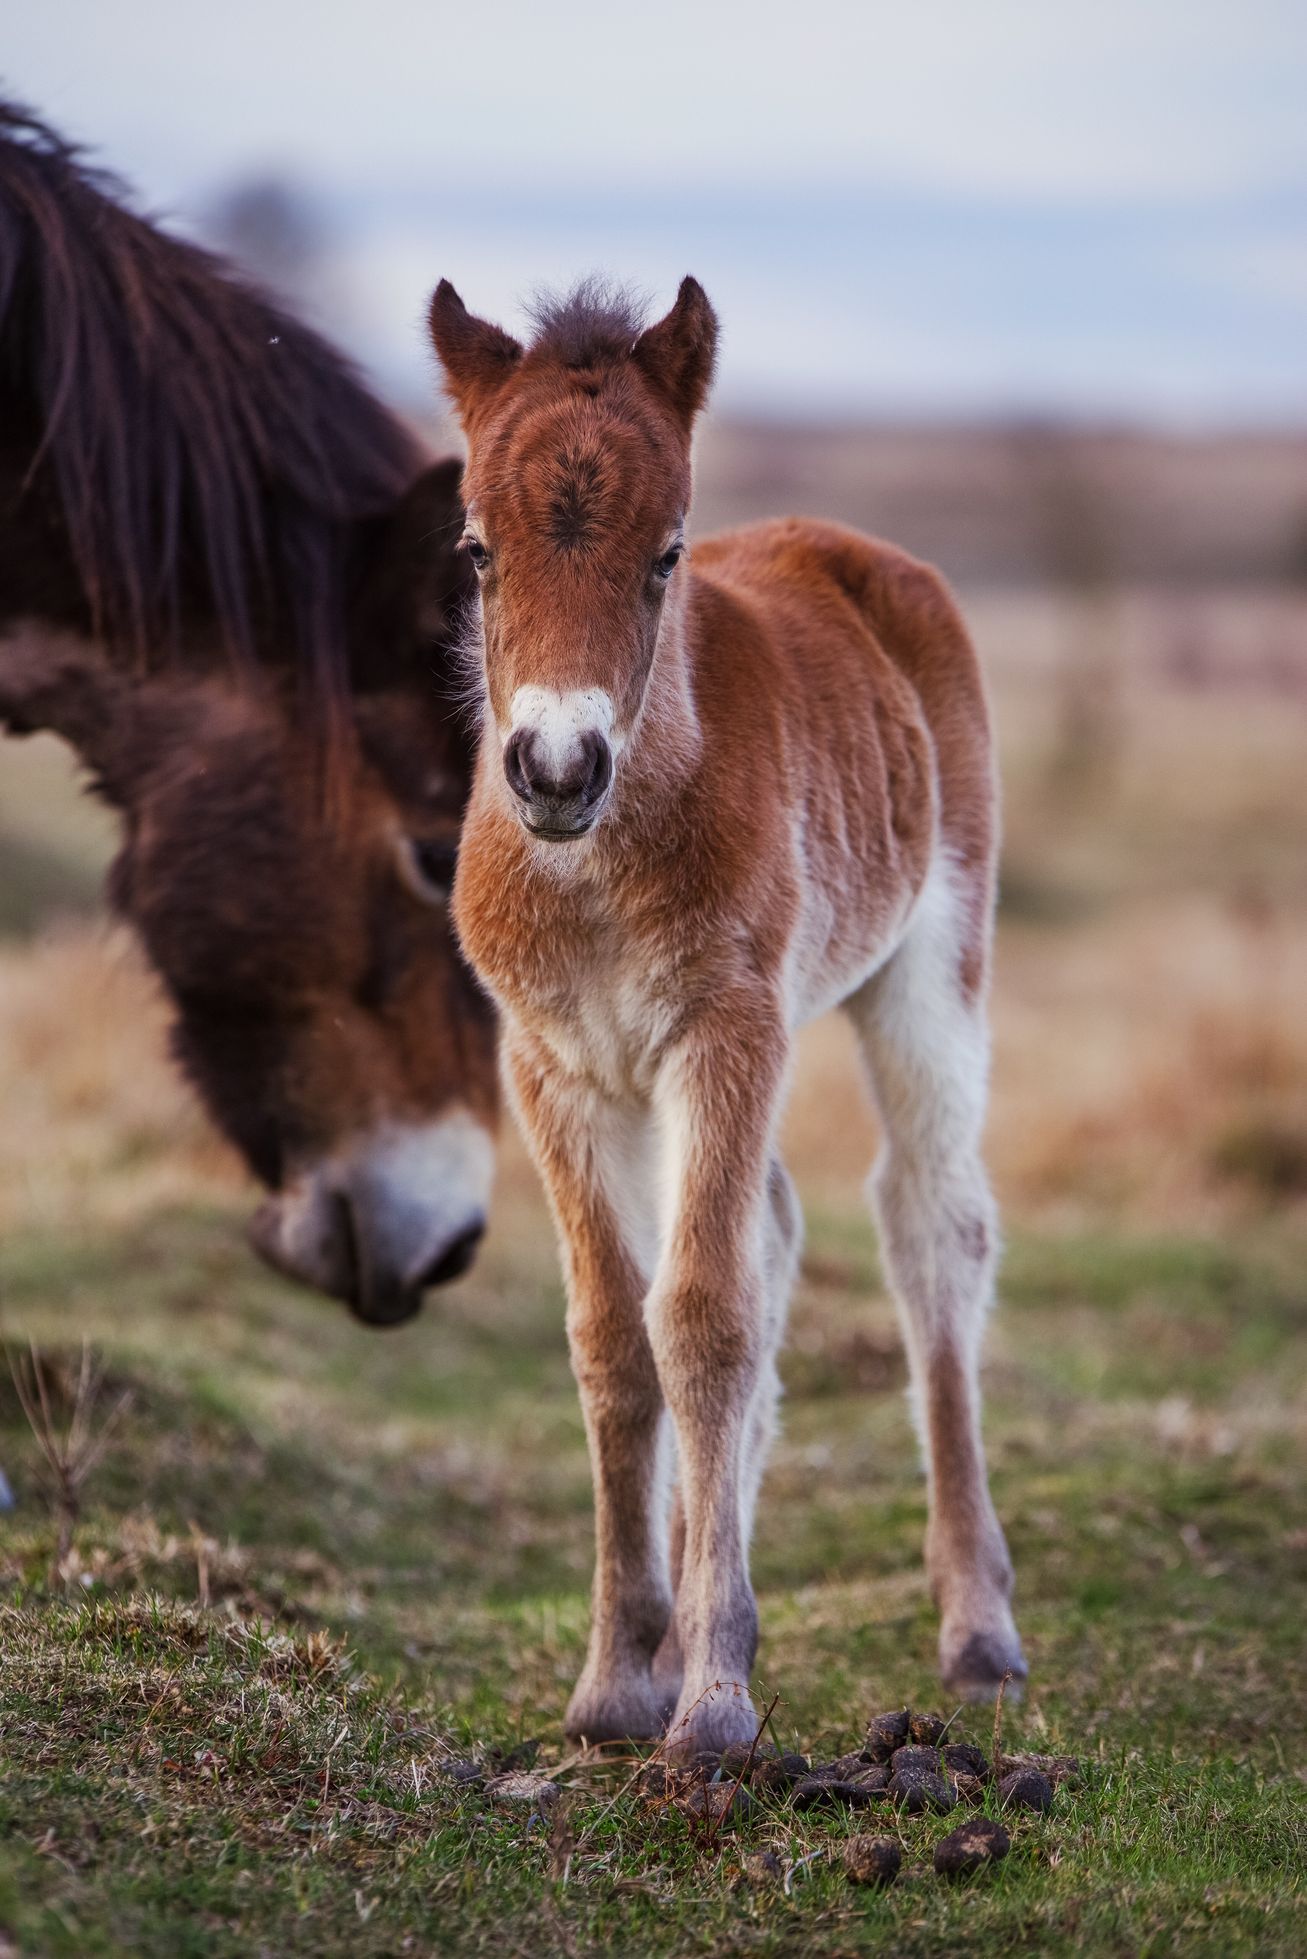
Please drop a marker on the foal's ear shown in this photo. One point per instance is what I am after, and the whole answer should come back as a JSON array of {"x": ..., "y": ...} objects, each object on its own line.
[
  {"x": 679, "y": 353},
  {"x": 476, "y": 355}
]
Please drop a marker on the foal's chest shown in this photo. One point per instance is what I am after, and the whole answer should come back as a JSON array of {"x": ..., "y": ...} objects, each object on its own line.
[
  {"x": 607, "y": 1026},
  {"x": 563, "y": 966}
]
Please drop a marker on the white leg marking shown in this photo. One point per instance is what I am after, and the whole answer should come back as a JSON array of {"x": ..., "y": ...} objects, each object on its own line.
[{"x": 927, "y": 1051}]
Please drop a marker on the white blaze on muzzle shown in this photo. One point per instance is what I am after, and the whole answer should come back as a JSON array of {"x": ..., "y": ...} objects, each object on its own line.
[{"x": 559, "y": 721}]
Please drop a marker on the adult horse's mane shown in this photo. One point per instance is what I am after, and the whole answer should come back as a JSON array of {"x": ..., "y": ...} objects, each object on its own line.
[{"x": 210, "y": 455}]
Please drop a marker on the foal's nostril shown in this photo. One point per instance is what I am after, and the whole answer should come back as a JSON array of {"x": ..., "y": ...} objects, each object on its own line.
[
  {"x": 516, "y": 762},
  {"x": 569, "y": 788},
  {"x": 599, "y": 770}
]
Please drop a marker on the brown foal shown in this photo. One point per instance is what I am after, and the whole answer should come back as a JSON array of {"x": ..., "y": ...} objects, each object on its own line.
[{"x": 714, "y": 799}]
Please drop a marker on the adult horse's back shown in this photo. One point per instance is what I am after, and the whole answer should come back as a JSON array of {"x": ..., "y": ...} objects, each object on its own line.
[
  {"x": 228, "y": 578},
  {"x": 718, "y": 794}
]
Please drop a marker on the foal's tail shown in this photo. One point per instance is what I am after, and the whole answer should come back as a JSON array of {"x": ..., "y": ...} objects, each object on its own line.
[{"x": 209, "y": 456}]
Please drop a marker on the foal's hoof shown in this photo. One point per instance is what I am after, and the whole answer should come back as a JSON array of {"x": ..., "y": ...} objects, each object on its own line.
[
  {"x": 711, "y": 1721},
  {"x": 980, "y": 1665},
  {"x": 629, "y": 1712}
]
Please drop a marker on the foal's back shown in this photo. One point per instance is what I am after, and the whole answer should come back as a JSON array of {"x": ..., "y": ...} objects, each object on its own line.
[{"x": 842, "y": 665}]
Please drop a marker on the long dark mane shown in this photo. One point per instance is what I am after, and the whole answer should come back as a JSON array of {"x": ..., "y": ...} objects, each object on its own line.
[{"x": 209, "y": 457}]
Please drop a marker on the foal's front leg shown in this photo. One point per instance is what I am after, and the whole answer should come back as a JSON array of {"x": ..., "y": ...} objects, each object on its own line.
[
  {"x": 708, "y": 1319},
  {"x": 588, "y": 1151},
  {"x": 784, "y": 1245}
]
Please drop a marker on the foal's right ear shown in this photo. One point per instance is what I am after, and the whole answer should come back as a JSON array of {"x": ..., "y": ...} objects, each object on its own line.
[
  {"x": 679, "y": 353},
  {"x": 476, "y": 355}
]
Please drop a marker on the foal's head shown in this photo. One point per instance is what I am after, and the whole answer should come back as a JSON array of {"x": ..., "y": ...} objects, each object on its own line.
[{"x": 577, "y": 488}]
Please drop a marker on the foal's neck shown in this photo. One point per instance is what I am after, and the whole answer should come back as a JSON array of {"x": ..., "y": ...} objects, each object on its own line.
[{"x": 666, "y": 743}]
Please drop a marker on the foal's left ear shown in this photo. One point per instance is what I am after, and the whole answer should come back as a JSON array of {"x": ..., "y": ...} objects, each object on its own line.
[
  {"x": 680, "y": 352},
  {"x": 476, "y": 355}
]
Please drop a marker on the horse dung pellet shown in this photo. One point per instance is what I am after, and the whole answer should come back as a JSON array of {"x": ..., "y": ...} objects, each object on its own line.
[
  {"x": 872, "y": 1860},
  {"x": 905, "y": 1760},
  {"x": 886, "y": 1732},
  {"x": 961, "y": 1758},
  {"x": 760, "y": 1871},
  {"x": 917, "y": 1790},
  {"x": 742, "y": 1757},
  {"x": 1026, "y": 1789},
  {"x": 858, "y": 1766},
  {"x": 830, "y": 1792},
  {"x": 520, "y": 1788},
  {"x": 1058, "y": 1768},
  {"x": 716, "y": 1802},
  {"x": 777, "y": 1775},
  {"x": 926, "y": 1729},
  {"x": 969, "y": 1848}
]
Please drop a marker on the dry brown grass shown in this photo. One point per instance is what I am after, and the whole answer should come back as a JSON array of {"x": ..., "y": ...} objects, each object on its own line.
[{"x": 95, "y": 1124}]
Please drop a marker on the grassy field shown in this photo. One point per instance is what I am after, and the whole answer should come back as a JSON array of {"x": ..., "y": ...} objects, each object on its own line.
[{"x": 316, "y": 1566}]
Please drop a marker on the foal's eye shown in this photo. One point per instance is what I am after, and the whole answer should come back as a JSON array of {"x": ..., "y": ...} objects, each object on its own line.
[
  {"x": 666, "y": 565},
  {"x": 476, "y": 551},
  {"x": 427, "y": 866}
]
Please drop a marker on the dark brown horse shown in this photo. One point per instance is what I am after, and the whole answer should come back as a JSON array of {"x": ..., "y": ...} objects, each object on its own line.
[{"x": 228, "y": 578}]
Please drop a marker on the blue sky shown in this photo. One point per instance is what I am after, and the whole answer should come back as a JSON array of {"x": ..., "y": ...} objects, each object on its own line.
[{"x": 968, "y": 208}]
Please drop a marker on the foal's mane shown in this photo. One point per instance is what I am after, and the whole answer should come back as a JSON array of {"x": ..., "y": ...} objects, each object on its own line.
[{"x": 211, "y": 455}]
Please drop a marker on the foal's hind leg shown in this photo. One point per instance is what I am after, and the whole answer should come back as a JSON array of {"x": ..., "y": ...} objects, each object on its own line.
[{"x": 926, "y": 1044}]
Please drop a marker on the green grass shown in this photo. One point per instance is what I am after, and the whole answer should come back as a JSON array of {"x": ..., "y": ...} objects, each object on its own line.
[{"x": 393, "y": 1533}]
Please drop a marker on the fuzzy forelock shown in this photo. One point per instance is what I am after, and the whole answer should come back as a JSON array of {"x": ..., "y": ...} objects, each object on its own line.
[{"x": 595, "y": 324}]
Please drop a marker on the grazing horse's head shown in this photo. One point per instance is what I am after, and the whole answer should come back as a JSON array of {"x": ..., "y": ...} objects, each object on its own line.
[
  {"x": 577, "y": 487},
  {"x": 194, "y": 487},
  {"x": 321, "y": 1006}
]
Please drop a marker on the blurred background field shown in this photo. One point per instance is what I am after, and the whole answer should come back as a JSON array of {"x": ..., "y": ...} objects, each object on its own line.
[
  {"x": 1022, "y": 290},
  {"x": 1148, "y": 664}
]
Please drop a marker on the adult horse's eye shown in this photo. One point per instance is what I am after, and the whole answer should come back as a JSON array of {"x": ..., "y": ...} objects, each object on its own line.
[
  {"x": 476, "y": 551},
  {"x": 666, "y": 565},
  {"x": 427, "y": 865}
]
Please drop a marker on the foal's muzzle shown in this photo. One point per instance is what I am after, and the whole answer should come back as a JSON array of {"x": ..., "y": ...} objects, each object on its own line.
[{"x": 557, "y": 802}]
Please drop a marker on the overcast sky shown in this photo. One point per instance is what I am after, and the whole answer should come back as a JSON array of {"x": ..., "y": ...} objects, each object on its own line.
[{"x": 969, "y": 205}]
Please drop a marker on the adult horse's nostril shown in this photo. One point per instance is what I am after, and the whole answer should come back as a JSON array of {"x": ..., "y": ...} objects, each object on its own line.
[
  {"x": 516, "y": 764},
  {"x": 456, "y": 1258}
]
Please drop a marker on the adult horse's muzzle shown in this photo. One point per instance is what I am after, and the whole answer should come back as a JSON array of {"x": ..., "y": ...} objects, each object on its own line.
[
  {"x": 558, "y": 800},
  {"x": 381, "y": 1227}
]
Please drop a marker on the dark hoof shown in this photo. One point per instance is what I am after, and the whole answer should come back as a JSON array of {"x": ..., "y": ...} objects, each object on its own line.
[{"x": 978, "y": 1671}]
